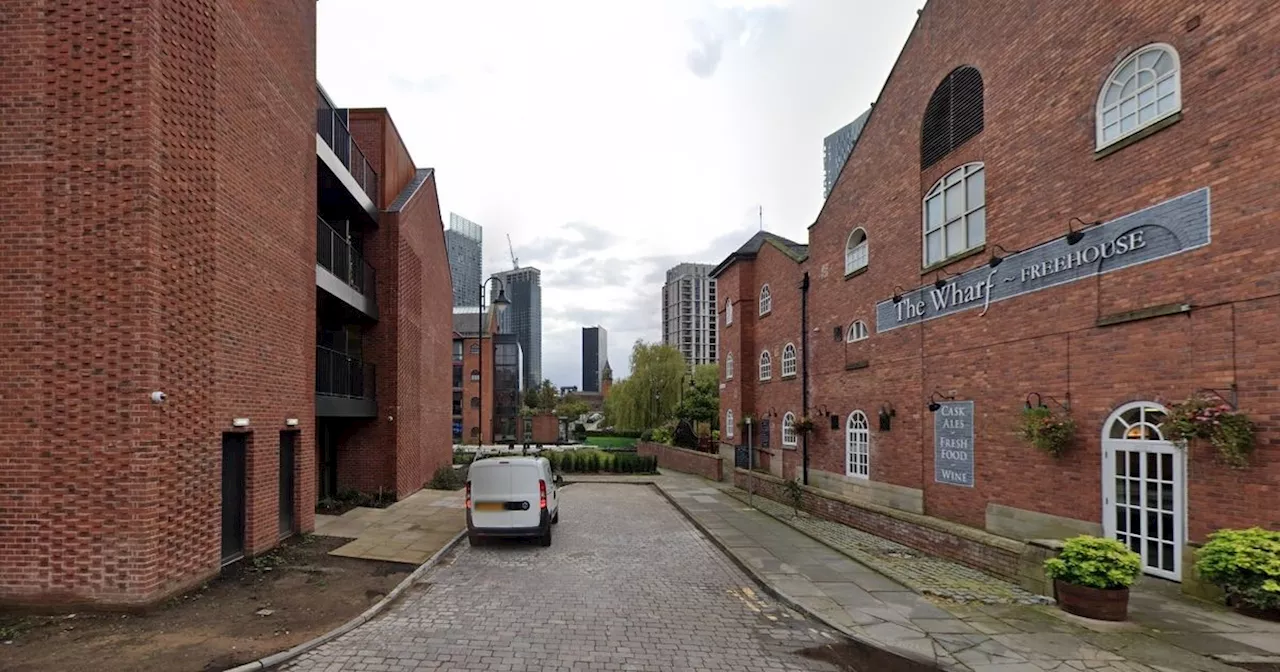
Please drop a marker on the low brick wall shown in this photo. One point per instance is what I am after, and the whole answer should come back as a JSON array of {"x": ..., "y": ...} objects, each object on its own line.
[
  {"x": 706, "y": 465},
  {"x": 981, "y": 550}
]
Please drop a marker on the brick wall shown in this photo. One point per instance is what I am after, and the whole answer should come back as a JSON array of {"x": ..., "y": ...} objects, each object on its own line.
[
  {"x": 706, "y": 465},
  {"x": 471, "y": 389},
  {"x": 1041, "y": 170}
]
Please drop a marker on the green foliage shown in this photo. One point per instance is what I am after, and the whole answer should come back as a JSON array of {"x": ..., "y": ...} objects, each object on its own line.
[
  {"x": 618, "y": 433},
  {"x": 350, "y": 498},
  {"x": 1246, "y": 563},
  {"x": 663, "y": 434},
  {"x": 701, "y": 402},
  {"x": 1095, "y": 562},
  {"x": 609, "y": 442},
  {"x": 795, "y": 495},
  {"x": 593, "y": 461},
  {"x": 572, "y": 407},
  {"x": 649, "y": 396},
  {"x": 1203, "y": 418},
  {"x": 447, "y": 478},
  {"x": 1046, "y": 431}
]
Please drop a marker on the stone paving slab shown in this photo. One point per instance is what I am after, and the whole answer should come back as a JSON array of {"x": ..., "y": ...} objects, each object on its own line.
[{"x": 409, "y": 531}]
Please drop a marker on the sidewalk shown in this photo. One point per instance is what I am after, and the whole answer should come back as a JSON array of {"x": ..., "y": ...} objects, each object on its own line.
[
  {"x": 409, "y": 531},
  {"x": 998, "y": 628}
]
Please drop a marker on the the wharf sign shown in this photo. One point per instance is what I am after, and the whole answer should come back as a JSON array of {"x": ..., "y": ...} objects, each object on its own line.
[
  {"x": 953, "y": 443},
  {"x": 1162, "y": 230}
]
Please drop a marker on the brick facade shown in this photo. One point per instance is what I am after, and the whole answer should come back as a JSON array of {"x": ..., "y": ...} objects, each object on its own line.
[
  {"x": 1080, "y": 342},
  {"x": 705, "y": 465}
]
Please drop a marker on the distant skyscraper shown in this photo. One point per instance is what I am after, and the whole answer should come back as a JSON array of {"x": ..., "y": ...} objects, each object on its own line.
[
  {"x": 689, "y": 312},
  {"x": 523, "y": 317},
  {"x": 464, "y": 240},
  {"x": 836, "y": 150},
  {"x": 595, "y": 355}
]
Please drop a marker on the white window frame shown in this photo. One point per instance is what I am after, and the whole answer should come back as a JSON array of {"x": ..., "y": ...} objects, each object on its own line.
[
  {"x": 728, "y": 312},
  {"x": 968, "y": 218},
  {"x": 856, "y": 255},
  {"x": 728, "y": 423},
  {"x": 766, "y": 300},
  {"x": 857, "y": 445},
  {"x": 788, "y": 360},
  {"x": 1131, "y": 104},
  {"x": 857, "y": 332},
  {"x": 789, "y": 429},
  {"x": 728, "y": 366},
  {"x": 766, "y": 365}
]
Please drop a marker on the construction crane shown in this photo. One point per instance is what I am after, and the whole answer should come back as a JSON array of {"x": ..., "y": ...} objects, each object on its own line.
[{"x": 515, "y": 263}]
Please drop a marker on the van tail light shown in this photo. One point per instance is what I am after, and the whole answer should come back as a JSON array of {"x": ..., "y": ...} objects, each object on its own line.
[
  {"x": 468, "y": 504},
  {"x": 542, "y": 494}
]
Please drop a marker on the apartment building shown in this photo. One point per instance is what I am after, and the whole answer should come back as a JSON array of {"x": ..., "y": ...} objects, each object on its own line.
[
  {"x": 836, "y": 149},
  {"x": 464, "y": 240},
  {"x": 689, "y": 312},
  {"x": 174, "y": 289},
  {"x": 523, "y": 318},
  {"x": 595, "y": 358},
  {"x": 488, "y": 371}
]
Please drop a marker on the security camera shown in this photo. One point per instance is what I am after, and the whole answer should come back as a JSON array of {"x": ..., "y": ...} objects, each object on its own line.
[{"x": 158, "y": 397}]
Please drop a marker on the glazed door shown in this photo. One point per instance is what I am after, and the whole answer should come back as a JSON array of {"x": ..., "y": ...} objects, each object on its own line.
[{"x": 1144, "y": 486}]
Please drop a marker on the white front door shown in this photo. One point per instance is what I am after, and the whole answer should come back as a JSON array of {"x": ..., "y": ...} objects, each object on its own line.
[{"x": 1144, "y": 488}]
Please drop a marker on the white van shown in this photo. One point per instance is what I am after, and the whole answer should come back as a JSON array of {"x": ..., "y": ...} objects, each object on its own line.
[{"x": 511, "y": 497}]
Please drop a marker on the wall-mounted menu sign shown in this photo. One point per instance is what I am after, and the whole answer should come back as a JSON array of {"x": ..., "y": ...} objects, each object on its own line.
[
  {"x": 953, "y": 443},
  {"x": 1172, "y": 227}
]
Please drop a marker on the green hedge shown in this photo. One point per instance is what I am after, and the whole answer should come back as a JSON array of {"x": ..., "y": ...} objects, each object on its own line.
[
  {"x": 594, "y": 461},
  {"x": 620, "y": 433}
]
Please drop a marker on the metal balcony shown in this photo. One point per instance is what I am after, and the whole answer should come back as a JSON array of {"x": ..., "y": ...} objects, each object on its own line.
[
  {"x": 343, "y": 272},
  {"x": 331, "y": 126},
  {"x": 345, "y": 385}
]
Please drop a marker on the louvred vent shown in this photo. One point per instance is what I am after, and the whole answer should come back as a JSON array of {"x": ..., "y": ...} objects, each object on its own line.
[{"x": 953, "y": 116}]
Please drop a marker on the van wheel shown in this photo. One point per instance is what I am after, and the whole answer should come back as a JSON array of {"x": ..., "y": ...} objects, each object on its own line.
[
  {"x": 545, "y": 540},
  {"x": 474, "y": 539},
  {"x": 555, "y": 517}
]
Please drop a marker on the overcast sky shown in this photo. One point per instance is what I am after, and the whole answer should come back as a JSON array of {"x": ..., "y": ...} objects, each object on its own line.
[{"x": 612, "y": 139}]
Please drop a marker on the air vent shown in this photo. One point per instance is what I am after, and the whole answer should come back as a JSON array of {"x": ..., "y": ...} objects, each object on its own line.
[{"x": 954, "y": 115}]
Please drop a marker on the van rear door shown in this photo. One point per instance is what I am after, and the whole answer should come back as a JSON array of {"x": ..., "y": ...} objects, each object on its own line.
[
  {"x": 490, "y": 490},
  {"x": 524, "y": 488}
]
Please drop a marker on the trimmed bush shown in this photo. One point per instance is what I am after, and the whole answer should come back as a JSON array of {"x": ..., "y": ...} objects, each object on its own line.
[
  {"x": 1095, "y": 562},
  {"x": 1246, "y": 564},
  {"x": 447, "y": 478}
]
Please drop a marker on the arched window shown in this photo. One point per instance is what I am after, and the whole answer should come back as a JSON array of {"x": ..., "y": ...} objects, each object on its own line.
[
  {"x": 1145, "y": 88},
  {"x": 788, "y": 360},
  {"x": 857, "y": 332},
  {"x": 728, "y": 312},
  {"x": 789, "y": 429},
  {"x": 855, "y": 251},
  {"x": 728, "y": 424},
  {"x": 475, "y": 348},
  {"x": 766, "y": 300},
  {"x": 857, "y": 445},
  {"x": 766, "y": 366},
  {"x": 475, "y": 431},
  {"x": 475, "y": 402},
  {"x": 954, "y": 115},
  {"x": 475, "y": 375},
  {"x": 728, "y": 367},
  {"x": 955, "y": 214}
]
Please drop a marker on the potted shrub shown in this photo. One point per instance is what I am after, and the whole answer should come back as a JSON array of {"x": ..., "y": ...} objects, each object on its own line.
[
  {"x": 1047, "y": 431},
  {"x": 1092, "y": 575},
  {"x": 804, "y": 425},
  {"x": 1202, "y": 418},
  {"x": 1246, "y": 564}
]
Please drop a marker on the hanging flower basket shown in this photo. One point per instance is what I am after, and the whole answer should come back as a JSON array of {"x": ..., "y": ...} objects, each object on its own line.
[
  {"x": 804, "y": 425},
  {"x": 1202, "y": 418},
  {"x": 1047, "y": 431}
]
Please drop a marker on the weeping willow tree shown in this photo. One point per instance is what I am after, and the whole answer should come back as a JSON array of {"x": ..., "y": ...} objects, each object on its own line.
[{"x": 648, "y": 397}]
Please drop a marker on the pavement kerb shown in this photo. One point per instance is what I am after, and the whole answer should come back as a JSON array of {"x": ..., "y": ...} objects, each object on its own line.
[
  {"x": 791, "y": 602},
  {"x": 275, "y": 659}
]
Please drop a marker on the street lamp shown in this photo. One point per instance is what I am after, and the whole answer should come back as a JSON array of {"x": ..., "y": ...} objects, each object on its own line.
[{"x": 500, "y": 306}]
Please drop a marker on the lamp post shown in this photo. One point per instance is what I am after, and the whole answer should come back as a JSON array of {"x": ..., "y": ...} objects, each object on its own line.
[{"x": 500, "y": 306}]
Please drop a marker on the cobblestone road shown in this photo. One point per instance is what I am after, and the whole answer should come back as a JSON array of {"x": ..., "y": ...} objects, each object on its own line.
[{"x": 628, "y": 584}]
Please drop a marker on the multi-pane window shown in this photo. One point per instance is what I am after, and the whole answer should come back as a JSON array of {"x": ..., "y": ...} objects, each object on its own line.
[
  {"x": 475, "y": 375},
  {"x": 766, "y": 366},
  {"x": 728, "y": 424},
  {"x": 855, "y": 251},
  {"x": 728, "y": 367},
  {"x": 475, "y": 348},
  {"x": 788, "y": 360},
  {"x": 1145, "y": 88},
  {"x": 766, "y": 300},
  {"x": 955, "y": 214},
  {"x": 728, "y": 312},
  {"x": 857, "y": 445},
  {"x": 789, "y": 429},
  {"x": 857, "y": 332}
]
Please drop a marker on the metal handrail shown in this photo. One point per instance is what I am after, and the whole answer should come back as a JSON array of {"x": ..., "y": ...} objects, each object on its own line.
[
  {"x": 338, "y": 256},
  {"x": 341, "y": 375},
  {"x": 331, "y": 124}
]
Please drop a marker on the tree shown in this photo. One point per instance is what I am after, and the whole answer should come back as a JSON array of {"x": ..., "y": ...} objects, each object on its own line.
[
  {"x": 572, "y": 407},
  {"x": 543, "y": 397},
  {"x": 648, "y": 397},
  {"x": 701, "y": 402}
]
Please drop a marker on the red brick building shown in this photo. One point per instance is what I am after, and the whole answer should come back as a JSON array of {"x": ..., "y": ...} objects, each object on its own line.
[
  {"x": 1087, "y": 219},
  {"x": 487, "y": 370},
  {"x": 160, "y": 390}
]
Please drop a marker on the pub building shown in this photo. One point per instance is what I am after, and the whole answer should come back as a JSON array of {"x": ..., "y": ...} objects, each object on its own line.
[{"x": 1084, "y": 223}]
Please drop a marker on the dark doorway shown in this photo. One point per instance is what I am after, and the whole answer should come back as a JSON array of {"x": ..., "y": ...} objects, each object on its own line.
[
  {"x": 234, "y": 447},
  {"x": 288, "y": 479},
  {"x": 327, "y": 459}
]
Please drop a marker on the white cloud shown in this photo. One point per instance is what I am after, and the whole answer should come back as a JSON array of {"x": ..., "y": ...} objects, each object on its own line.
[{"x": 539, "y": 115}]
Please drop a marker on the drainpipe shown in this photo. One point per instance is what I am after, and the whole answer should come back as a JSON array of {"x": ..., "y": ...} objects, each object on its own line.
[{"x": 804, "y": 371}]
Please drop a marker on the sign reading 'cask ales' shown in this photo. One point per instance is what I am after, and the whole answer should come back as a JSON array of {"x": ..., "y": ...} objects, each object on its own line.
[{"x": 953, "y": 443}]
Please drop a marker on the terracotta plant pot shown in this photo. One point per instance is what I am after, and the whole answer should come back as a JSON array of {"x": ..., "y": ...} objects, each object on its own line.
[{"x": 1095, "y": 603}]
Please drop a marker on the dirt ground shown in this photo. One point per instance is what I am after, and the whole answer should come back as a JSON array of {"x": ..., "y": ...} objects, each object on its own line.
[{"x": 300, "y": 590}]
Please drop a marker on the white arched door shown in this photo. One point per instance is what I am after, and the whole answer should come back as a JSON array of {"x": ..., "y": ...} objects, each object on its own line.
[{"x": 1144, "y": 488}]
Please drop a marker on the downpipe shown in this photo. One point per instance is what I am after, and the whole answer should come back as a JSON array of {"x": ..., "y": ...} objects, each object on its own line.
[{"x": 804, "y": 372}]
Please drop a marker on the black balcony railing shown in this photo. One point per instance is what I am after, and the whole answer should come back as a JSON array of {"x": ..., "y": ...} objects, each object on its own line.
[
  {"x": 335, "y": 254},
  {"x": 341, "y": 375},
  {"x": 331, "y": 124}
]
